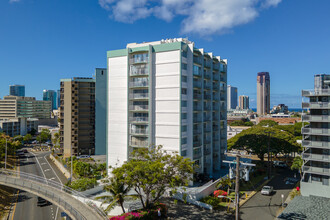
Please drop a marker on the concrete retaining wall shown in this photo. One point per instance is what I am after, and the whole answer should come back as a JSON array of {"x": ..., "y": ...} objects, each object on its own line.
[{"x": 60, "y": 166}]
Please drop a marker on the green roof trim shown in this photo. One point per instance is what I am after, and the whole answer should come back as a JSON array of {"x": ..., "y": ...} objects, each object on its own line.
[
  {"x": 139, "y": 49},
  {"x": 167, "y": 47},
  {"x": 117, "y": 53}
]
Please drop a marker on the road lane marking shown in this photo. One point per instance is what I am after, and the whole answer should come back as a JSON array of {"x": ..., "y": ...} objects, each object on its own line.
[
  {"x": 39, "y": 165},
  {"x": 43, "y": 163},
  {"x": 46, "y": 170},
  {"x": 15, "y": 205},
  {"x": 52, "y": 178}
]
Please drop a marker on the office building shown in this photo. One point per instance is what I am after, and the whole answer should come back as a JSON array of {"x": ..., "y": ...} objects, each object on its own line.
[
  {"x": 77, "y": 116},
  {"x": 244, "y": 102},
  {"x": 231, "y": 97},
  {"x": 50, "y": 95},
  {"x": 100, "y": 110},
  {"x": 316, "y": 139},
  {"x": 17, "y": 90},
  {"x": 167, "y": 93},
  {"x": 24, "y": 107},
  {"x": 263, "y": 93},
  {"x": 18, "y": 126}
]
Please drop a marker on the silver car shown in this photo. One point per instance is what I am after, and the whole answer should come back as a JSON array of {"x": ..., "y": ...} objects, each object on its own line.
[{"x": 267, "y": 190}]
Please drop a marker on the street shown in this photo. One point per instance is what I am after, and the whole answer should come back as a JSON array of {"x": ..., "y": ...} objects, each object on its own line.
[
  {"x": 265, "y": 207},
  {"x": 26, "y": 207}
]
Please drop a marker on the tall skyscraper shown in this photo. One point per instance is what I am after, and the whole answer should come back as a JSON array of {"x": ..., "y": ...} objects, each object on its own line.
[
  {"x": 167, "y": 93},
  {"x": 100, "y": 110},
  {"x": 17, "y": 90},
  {"x": 77, "y": 116},
  {"x": 263, "y": 93},
  {"x": 316, "y": 139},
  {"x": 50, "y": 95},
  {"x": 231, "y": 97},
  {"x": 244, "y": 102}
]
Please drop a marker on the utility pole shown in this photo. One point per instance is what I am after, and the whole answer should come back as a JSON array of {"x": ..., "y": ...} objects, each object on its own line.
[
  {"x": 71, "y": 164},
  {"x": 237, "y": 188},
  {"x": 269, "y": 165},
  {"x": 6, "y": 155}
]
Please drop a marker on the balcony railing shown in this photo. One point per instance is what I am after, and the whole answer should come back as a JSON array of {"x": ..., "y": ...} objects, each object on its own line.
[
  {"x": 316, "y": 131},
  {"x": 139, "y": 71},
  {"x": 139, "y": 59},
  {"x": 216, "y": 76},
  {"x": 198, "y": 60},
  {"x": 140, "y": 131},
  {"x": 197, "y": 84},
  {"x": 197, "y": 119},
  {"x": 316, "y": 170},
  {"x": 315, "y": 105},
  {"x": 197, "y": 72},
  {"x": 223, "y": 68},
  {"x": 207, "y": 74},
  {"x": 139, "y": 143},
  {"x": 207, "y": 85},
  {"x": 197, "y": 131},
  {"x": 208, "y": 97},
  {"x": 197, "y": 143},
  {"x": 320, "y": 118},
  {"x": 139, "y": 119},
  {"x": 216, "y": 66},
  {"x": 216, "y": 86},
  {"x": 316, "y": 144},
  {"x": 144, "y": 83},
  {"x": 315, "y": 92},
  {"x": 139, "y": 107},
  {"x": 197, "y": 108},
  {"x": 197, "y": 96},
  {"x": 139, "y": 95},
  {"x": 317, "y": 157},
  {"x": 222, "y": 78}
]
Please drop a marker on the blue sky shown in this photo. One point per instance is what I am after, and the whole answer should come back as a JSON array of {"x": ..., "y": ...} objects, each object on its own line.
[{"x": 44, "y": 41}]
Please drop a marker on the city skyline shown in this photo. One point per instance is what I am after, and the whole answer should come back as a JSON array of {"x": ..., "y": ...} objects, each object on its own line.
[{"x": 272, "y": 38}]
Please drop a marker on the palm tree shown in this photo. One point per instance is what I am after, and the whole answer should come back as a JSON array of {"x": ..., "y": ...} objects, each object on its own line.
[
  {"x": 119, "y": 193},
  {"x": 225, "y": 181}
]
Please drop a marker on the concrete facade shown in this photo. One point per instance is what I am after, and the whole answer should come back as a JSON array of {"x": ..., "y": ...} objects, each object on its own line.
[
  {"x": 50, "y": 95},
  {"x": 100, "y": 110},
  {"x": 77, "y": 116},
  {"x": 18, "y": 126},
  {"x": 167, "y": 93},
  {"x": 316, "y": 139},
  {"x": 24, "y": 107},
  {"x": 263, "y": 93}
]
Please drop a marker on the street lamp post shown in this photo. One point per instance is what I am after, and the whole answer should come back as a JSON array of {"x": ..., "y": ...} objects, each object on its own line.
[
  {"x": 71, "y": 164},
  {"x": 6, "y": 155},
  {"x": 282, "y": 196}
]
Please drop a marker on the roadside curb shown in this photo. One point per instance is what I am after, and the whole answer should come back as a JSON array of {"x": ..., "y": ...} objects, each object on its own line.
[{"x": 254, "y": 192}]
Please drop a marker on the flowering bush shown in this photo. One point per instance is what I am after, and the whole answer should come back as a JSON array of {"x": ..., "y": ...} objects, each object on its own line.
[{"x": 144, "y": 214}]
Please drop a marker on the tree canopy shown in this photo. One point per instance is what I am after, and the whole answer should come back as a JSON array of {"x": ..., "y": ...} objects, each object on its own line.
[
  {"x": 44, "y": 136},
  {"x": 297, "y": 164},
  {"x": 267, "y": 123},
  {"x": 255, "y": 141},
  {"x": 12, "y": 145},
  {"x": 151, "y": 171},
  {"x": 241, "y": 123}
]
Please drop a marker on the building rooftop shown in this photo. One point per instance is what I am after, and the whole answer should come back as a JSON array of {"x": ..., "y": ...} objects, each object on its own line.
[{"x": 303, "y": 207}]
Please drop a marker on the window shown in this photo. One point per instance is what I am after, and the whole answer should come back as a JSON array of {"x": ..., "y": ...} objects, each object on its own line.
[
  {"x": 184, "y": 91},
  {"x": 184, "y": 153},
  {"x": 184, "y": 66},
  {"x": 184, "y": 141},
  {"x": 183, "y": 103},
  {"x": 183, "y": 115},
  {"x": 184, "y": 128},
  {"x": 184, "y": 79},
  {"x": 184, "y": 53}
]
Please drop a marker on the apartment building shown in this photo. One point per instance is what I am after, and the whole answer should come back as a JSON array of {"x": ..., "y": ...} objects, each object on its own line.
[
  {"x": 167, "y": 93},
  {"x": 316, "y": 139},
  {"x": 77, "y": 116},
  {"x": 263, "y": 93},
  {"x": 18, "y": 126},
  {"x": 27, "y": 107}
]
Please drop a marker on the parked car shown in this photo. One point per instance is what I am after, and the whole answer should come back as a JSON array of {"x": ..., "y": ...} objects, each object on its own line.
[
  {"x": 267, "y": 190},
  {"x": 25, "y": 151},
  {"x": 280, "y": 164}
]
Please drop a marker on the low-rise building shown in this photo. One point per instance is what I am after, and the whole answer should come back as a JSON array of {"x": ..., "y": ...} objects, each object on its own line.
[
  {"x": 281, "y": 108},
  {"x": 234, "y": 130},
  {"x": 18, "y": 126}
]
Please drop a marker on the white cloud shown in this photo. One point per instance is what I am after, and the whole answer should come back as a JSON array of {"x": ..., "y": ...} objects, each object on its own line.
[
  {"x": 204, "y": 17},
  {"x": 12, "y": 1}
]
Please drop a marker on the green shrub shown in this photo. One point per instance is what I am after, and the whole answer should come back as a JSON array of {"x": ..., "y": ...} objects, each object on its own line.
[{"x": 83, "y": 184}]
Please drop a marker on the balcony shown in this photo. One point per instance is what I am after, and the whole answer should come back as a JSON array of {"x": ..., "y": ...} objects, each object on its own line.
[
  {"x": 207, "y": 107},
  {"x": 223, "y": 68},
  {"x": 316, "y": 144},
  {"x": 139, "y": 84},
  {"x": 197, "y": 96},
  {"x": 197, "y": 108},
  {"x": 216, "y": 76},
  {"x": 138, "y": 107},
  {"x": 137, "y": 120},
  {"x": 207, "y": 85},
  {"x": 137, "y": 143},
  {"x": 208, "y": 63},
  {"x": 316, "y": 92},
  {"x": 316, "y": 118},
  {"x": 197, "y": 143},
  {"x": 316, "y": 170},
  {"x": 197, "y": 155},
  {"x": 315, "y": 131},
  {"x": 316, "y": 105},
  {"x": 198, "y": 60},
  {"x": 316, "y": 157},
  {"x": 139, "y": 71},
  {"x": 223, "y": 78},
  {"x": 207, "y": 74},
  {"x": 197, "y": 84},
  {"x": 139, "y": 96},
  {"x": 197, "y": 119},
  {"x": 216, "y": 66},
  {"x": 197, "y": 72},
  {"x": 139, "y": 131},
  {"x": 207, "y": 97},
  {"x": 197, "y": 130},
  {"x": 139, "y": 58},
  {"x": 216, "y": 86}
]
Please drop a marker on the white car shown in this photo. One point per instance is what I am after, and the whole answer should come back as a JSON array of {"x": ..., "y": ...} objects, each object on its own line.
[
  {"x": 83, "y": 156},
  {"x": 267, "y": 190}
]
